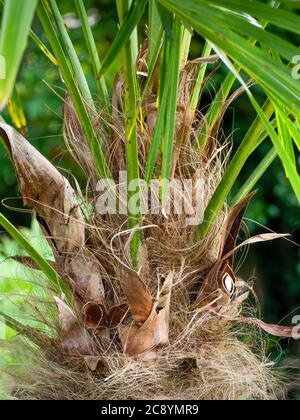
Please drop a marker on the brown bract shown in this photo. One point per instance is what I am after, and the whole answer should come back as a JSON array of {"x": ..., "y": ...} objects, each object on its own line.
[
  {"x": 75, "y": 340},
  {"x": 150, "y": 330},
  {"x": 50, "y": 194},
  {"x": 46, "y": 191}
]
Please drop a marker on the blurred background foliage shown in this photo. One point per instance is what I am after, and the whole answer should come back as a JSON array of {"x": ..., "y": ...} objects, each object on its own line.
[{"x": 276, "y": 266}]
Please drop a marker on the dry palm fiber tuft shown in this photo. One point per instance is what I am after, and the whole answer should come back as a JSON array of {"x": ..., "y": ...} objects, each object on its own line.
[{"x": 171, "y": 327}]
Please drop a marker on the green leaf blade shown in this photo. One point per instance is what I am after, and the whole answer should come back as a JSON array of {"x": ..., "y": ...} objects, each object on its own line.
[{"x": 13, "y": 39}]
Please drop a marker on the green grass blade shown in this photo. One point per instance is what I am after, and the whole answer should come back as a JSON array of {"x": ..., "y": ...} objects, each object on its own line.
[
  {"x": 127, "y": 28},
  {"x": 163, "y": 96},
  {"x": 43, "y": 48},
  {"x": 123, "y": 7},
  {"x": 39, "y": 43},
  {"x": 15, "y": 26},
  {"x": 292, "y": 128},
  {"x": 242, "y": 25},
  {"x": 166, "y": 18},
  {"x": 289, "y": 166},
  {"x": 170, "y": 117},
  {"x": 70, "y": 53},
  {"x": 151, "y": 68},
  {"x": 295, "y": 133},
  {"x": 282, "y": 18},
  {"x": 32, "y": 334},
  {"x": 264, "y": 134},
  {"x": 40, "y": 261},
  {"x": 13, "y": 324},
  {"x": 285, "y": 136},
  {"x": 154, "y": 30},
  {"x": 93, "y": 52},
  {"x": 222, "y": 94},
  {"x": 196, "y": 96},
  {"x": 214, "y": 109},
  {"x": 152, "y": 62},
  {"x": 272, "y": 76},
  {"x": 185, "y": 46},
  {"x": 132, "y": 160},
  {"x": 255, "y": 176},
  {"x": 80, "y": 106},
  {"x": 134, "y": 39}
]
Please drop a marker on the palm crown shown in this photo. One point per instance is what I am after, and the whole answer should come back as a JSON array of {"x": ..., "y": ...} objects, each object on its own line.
[{"x": 135, "y": 290}]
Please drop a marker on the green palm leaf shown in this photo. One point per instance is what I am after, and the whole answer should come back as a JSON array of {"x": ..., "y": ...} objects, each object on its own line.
[
  {"x": 227, "y": 32},
  {"x": 13, "y": 38}
]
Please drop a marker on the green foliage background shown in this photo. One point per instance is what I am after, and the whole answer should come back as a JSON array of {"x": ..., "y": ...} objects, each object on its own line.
[{"x": 275, "y": 265}]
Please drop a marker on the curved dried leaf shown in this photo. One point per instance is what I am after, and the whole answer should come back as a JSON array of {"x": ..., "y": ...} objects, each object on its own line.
[
  {"x": 154, "y": 333},
  {"x": 210, "y": 284},
  {"x": 139, "y": 299},
  {"x": 137, "y": 340},
  {"x": 96, "y": 316},
  {"x": 51, "y": 196},
  {"x": 265, "y": 237},
  {"x": 46, "y": 191},
  {"x": 232, "y": 227},
  {"x": 74, "y": 339},
  {"x": 85, "y": 277},
  {"x": 208, "y": 289},
  {"x": 213, "y": 280},
  {"x": 276, "y": 330}
]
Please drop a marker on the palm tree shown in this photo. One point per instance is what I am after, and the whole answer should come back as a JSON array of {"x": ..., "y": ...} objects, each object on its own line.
[{"x": 148, "y": 304}]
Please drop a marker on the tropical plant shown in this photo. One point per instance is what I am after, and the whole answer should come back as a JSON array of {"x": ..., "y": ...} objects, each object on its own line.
[{"x": 148, "y": 304}]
